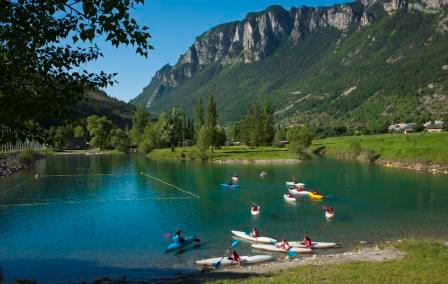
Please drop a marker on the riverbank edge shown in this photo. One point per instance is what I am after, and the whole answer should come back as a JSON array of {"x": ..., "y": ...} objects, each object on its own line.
[
  {"x": 436, "y": 168},
  {"x": 11, "y": 164}
]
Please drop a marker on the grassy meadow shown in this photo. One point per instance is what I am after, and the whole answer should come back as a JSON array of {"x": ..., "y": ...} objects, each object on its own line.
[
  {"x": 425, "y": 262},
  {"x": 415, "y": 147}
]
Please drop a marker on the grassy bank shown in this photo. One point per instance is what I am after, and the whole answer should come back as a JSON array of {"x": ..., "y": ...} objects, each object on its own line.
[
  {"x": 423, "y": 263},
  {"x": 226, "y": 153},
  {"x": 409, "y": 148}
]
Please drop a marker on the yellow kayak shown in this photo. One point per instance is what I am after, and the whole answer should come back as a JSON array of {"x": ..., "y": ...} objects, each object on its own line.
[{"x": 316, "y": 196}]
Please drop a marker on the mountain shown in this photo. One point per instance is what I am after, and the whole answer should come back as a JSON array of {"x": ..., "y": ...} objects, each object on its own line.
[
  {"x": 361, "y": 65},
  {"x": 100, "y": 104}
]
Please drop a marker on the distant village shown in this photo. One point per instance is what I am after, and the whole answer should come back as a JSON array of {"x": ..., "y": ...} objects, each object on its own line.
[{"x": 430, "y": 126}]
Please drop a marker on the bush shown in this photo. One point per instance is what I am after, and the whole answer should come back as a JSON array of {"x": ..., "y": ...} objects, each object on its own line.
[
  {"x": 371, "y": 155},
  {"x": 28, "y": 157}
]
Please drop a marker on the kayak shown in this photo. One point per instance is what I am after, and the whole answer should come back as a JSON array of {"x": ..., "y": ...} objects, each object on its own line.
[
  {"x": 255, "y": 212},
  {"x": 287, "y": 198},
  {"x": 329, "y": 215},
  {"x": 262, "y": 174},
  {"x": 314, "y": 245},
  {"x": 299, "y": 192},
  {"x": 230, "y": 186},
  {"x": 292, "y": 184},
  {"x": 244, "y": 260},
  {"x": 315, "y": 196},
  {"x": 177, "y": 245},
  {"x": 278, "y": 249},
  {"x": 246, "y": 236}
]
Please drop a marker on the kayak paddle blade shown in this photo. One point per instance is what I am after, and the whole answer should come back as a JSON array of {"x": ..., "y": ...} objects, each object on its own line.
[
  {"x": 234, "y": 243},
  {"x": 291, "y": 254},
  {"x": 218, "y": 264}
]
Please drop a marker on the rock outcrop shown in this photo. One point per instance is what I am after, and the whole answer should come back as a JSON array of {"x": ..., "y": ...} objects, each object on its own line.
[{"x": 260, "y": 33}]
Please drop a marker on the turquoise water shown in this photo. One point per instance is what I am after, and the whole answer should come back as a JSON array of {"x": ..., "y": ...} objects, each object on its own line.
[{"x": 91, "y": 216}]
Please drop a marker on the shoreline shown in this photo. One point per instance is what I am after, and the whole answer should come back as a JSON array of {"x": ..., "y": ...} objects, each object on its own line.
[{"x": 373, "y": 254}]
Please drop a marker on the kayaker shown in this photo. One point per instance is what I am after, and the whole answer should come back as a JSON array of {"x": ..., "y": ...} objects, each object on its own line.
[
  {"x": 254, "y": 207},
  {"x": 290, "y": 195},
  {"x": 294, "y": 180},
  {"x": 307, "y": 241},
  {"x": 255, "y": 233},
  {"x": 329, "y": 210},
  {"x": 234, "y": 256},
  {"x": 178, "y": 238},
  {"x": 284, "y": 245},
  {"x": 299, "y": 188}
]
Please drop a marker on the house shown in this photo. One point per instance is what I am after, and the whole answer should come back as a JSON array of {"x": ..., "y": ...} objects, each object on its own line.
[
  {"x": 437, "y": 126},
  {"x": 76, "y": 143},
  {"x": 402, "y": 127}
]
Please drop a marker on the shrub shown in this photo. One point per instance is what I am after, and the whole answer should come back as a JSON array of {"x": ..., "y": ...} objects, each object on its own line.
[{"x": 28, "y": 157}]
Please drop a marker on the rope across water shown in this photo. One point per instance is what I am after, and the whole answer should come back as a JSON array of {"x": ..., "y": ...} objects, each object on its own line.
[{"x": 176, "y": 187}]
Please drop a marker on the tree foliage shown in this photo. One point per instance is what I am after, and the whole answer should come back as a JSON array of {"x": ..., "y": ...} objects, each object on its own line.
[
  {"x": 300, "y": 138},
  {"x": 171, "y": 127},
  {"x": 151, "y": 138},
  {"x": 139, "y": 121},
  {"x": 257, "y": 125},
  {"x": 212, "y": 118},
  {"x": 99, "y": 129},
  {"x": 43, "y": 46}
]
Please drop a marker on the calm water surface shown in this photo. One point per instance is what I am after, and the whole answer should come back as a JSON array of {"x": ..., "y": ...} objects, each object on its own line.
[{"x": 91, "y": 216}]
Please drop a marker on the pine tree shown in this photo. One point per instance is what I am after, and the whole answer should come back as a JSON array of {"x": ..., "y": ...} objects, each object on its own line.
[{"x": 212, "y": 118}]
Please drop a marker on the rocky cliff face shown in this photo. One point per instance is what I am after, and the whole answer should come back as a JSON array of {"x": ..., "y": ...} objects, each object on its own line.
[{"x": 260, "y": 33}]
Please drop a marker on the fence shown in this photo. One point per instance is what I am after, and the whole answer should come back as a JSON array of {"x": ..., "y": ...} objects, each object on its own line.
[{"x": 19, "y": 145}]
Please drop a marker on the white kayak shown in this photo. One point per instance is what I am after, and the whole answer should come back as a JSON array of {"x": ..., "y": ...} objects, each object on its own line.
[
  {"x": 278, "y": 249},
  {"x": 299, "y": 192},
  {"x": 287, "y": 198},
  {"x": 292, "y": 184},
  {"x": 245, "y": 236},
  {"x": 314, "y": 245},
  {"x": 329, "y": 215},
  {"x": 255, "y": 212},
  {"x": 244, "y": 260}
]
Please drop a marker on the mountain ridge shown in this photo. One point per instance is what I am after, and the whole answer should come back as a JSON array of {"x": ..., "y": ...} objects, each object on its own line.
[{"x": 272, "y": 35}]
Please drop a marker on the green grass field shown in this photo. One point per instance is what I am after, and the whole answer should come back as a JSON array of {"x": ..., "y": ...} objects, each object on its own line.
[
  {"x": 416, "y": 147},
  {"x": 423, "y": 263},
  {"x": 227, "y": 152}
]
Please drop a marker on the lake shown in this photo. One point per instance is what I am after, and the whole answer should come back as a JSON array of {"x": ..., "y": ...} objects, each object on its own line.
[{"x": 92, "y": 216}]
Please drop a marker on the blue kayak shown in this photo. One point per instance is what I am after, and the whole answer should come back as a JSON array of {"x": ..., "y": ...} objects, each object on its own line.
[
  {"x": 230, "y": 186},
  {"x": 176, "y": 245}
]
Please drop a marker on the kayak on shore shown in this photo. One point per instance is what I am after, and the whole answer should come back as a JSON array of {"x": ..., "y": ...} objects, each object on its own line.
[
  {"x": 275, "y": 248},
  {"x": 314, "y": 245},
  {"x": 243, "y": 260},
  {"x": 245, "y": 236},
  {"x": 177, "y": 245}
]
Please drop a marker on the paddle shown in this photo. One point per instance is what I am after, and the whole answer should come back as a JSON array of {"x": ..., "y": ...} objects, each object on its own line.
[
  {"x": 292, "y": 253},
  {"x": 218, "y": 264}
]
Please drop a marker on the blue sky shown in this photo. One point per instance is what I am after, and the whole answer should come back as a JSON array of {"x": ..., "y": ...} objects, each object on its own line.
[{"x": 174, "y": 25}]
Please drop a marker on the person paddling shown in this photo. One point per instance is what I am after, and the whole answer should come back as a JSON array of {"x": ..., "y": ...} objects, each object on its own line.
[
  {"x": 294, "y": 180},
  {"x": 234, "y": 256},
  {"x": 307, "y": 242},
  {"x": 254, "y": 207},
  {"x": 178, "y": 238},
  {"x": 290, "y": 195},
  {"x": 255, "y": 233},
  {"x": 284, "y": 245}
]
